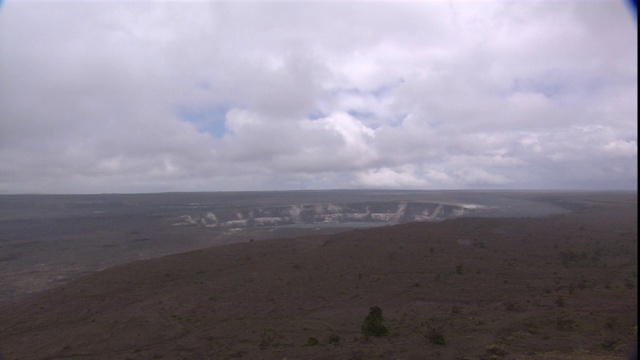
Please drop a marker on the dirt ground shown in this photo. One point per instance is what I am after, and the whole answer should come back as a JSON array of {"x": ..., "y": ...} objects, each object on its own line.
[{"x": 556, "y": 287}]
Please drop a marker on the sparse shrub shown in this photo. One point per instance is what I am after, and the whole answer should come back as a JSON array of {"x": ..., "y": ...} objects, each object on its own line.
[
  {"x": 456, "y": 310},
  {"x": 494, "y": 352},
  {"x": 583, "y": 258},
  {"x": 565, "y": 323},
  {"x": 312, "y": 341},
  {"x": 560, "y": 301},
  {"x": 568, "y": 257},
  {"x": 459, "y": 269},
  {"x": 510, "y": 305},
  {"x": 515, "y": 306},
  {"x": 373, "y": 323},
  {"x": 334, "y": 339},
  {"x": 629, "y": 284},
  {"x": 583, "y": 284},
  {"x": 611, "y": 323},
  {"x": 265, "y": 341},
  {"x": 436, "y": 337},
  {"x": 268, "y": 338},
  {"x": 610, "y": 344}
]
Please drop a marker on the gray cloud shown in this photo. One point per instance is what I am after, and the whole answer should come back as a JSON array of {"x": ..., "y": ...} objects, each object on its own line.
[{"x": 180, "y": 96}]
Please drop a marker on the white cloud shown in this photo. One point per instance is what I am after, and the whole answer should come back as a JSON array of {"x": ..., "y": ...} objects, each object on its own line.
[
  {"x": 389, "y": 178},
  {"x": 158, "y": 96},
  {"x": 622, "y": 148}
]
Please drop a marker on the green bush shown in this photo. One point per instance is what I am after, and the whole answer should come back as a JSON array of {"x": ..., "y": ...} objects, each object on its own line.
[
  {"x": 373, "y": 323},
  {"x": 436, "y": 337}
]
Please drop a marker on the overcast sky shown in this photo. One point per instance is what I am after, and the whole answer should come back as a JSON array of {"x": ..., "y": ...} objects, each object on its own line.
[{"x": 146, "y": 96}]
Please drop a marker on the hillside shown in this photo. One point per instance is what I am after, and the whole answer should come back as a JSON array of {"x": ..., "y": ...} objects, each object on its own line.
[{"x": 561, "y": 286}]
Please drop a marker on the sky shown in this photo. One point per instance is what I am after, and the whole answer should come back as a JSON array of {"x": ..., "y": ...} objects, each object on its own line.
[{"x": 151, "y": 96}]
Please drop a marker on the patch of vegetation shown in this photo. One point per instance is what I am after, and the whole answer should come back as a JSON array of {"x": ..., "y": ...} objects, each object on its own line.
[
  {"x": 494, "y": 351},
  {"x": 610, "y": 344},
  {"x": 268, "y": 338},
  {"x": 583, "y": 258},
  {"x": 313, "y": 341},
  {"x": 629, "y": 284},
  {"x": 373, "y": 324},
  {"x": 611, "y": 323},
  {"x": 357, "y": 355},
  {"x": 334, "y": 339},
  {"x": 584, "y": 284},
  {"x": 565, "y": 323},
  {"x": 436, "y": 337},
  {"x": 515, "y": 306}
]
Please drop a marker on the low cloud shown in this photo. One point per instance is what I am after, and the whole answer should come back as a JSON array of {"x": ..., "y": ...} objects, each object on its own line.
[{"x": 150, "y": 96}]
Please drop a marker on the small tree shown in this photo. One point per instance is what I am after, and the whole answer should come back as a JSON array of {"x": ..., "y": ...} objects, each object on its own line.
[{"x": 373, "y": 323}]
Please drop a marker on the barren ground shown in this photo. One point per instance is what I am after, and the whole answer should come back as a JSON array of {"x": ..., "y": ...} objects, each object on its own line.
[{"x": 556, "y": 287}]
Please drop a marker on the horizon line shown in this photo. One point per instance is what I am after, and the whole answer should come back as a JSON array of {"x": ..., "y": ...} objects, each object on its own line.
[{"x": 531, "y": 190}]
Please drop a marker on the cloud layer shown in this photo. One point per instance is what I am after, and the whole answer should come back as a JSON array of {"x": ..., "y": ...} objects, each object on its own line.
[{"x": 183, "y": 96}]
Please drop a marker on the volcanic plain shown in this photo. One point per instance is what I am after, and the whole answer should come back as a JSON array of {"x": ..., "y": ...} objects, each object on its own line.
[{"x": 555, "y": 286}]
